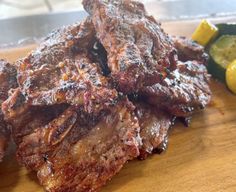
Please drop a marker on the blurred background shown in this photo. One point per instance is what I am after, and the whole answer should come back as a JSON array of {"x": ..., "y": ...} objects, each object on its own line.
[
  {"x": 26, "y": 20},
  {"x": 14, "y": 8},
  {"x": 164, "y": 9}
]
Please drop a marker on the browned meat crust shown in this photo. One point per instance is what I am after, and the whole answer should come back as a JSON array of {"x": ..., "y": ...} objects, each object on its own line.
[
  {"x": 139, "y": 52},
  {"x": 76, "y": 153},
  {"x": 185, "y": 90},
  {"x": 189, "y": 50},
  {"x": 7, "y": 82},
  {"x": 59, "y": 71},
  {"x": 154, "y": 127}
]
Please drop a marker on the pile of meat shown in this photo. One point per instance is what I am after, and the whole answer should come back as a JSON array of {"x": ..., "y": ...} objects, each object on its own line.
[{"x": 97, "y": 94}]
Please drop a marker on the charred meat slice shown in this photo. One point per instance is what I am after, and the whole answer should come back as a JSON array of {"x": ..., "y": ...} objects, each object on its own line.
[
  {"x": 184, "y": 90},
  {"x": 189, "y": 50},
  {"x": 60, "y": 72},
  {"x": 154, "y": 126},
  {"x": 76, "y": 152},
  {"x": 139, "y": 52},
  {"x": 7, "y": 82}
]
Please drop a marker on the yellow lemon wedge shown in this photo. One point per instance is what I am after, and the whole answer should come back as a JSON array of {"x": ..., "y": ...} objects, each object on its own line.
[
  {"x": 204, "y": 32},
  {"x": 231, "y": 76}
]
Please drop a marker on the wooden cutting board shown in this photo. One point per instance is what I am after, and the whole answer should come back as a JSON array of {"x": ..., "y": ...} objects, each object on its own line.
[{"x": 201, "y": 158}]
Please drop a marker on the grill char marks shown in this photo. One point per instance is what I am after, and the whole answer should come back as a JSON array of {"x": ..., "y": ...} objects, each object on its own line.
[
  {"x": 7, "y": 82},
  {"x": 139, "y": 52}
]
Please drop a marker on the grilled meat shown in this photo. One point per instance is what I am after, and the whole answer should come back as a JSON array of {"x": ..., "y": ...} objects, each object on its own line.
[
  {"x": 7, "y": 82},
  {"x": 185, "y": 90},
  {"x": 138, "y": 51},
  {"x": 59, "y": 72},
  {"x": 154, "y": 126},
  {"x": 189, "y": 50},
  {"x": 77, "y": 152},
  {"x": 72, "y": 121}
]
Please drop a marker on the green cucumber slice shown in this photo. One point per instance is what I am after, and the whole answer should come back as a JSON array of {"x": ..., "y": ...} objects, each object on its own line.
[{"x": 222, "y": 52}]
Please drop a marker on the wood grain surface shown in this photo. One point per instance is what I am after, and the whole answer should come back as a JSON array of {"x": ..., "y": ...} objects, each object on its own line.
[{"x": 201, "y": 158}]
